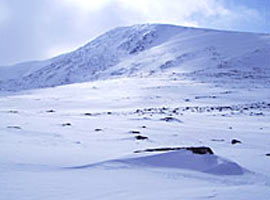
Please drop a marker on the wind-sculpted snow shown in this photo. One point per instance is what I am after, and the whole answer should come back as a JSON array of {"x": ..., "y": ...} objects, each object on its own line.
[
  {"x": 181, "y": 159},
  {"x": 148, "y": 50}
]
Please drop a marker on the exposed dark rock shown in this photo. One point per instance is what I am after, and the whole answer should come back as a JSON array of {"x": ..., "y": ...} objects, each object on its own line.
[
  {"x": 66, "y": 124},
  {"x": 268, "y": 154},
  {"x": 226, "y": 92},
  {"x": 13, "y": 111},
  {"x": 98, "y": 129},
  {"x": 170, "y": 119},
  {"x": 88, "y": 114},
  {"x": 143, "y": 126},
  {"x": 205, "y": 97},
  {"x": 140, "y": 137},
  {"x": 14, "y": 127},
  {"x": 195, "y": 150},
  {"x": 235, "y": 141},
  {"x": 218, "y": 140},
  {"x": 134, "y": 132},
  {"x": 138, "y": 111},
  {"x": 175, "y": 111},
  {"x": 50, "y": 111}
]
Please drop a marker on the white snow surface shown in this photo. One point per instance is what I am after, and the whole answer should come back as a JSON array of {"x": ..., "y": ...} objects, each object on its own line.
[{"x": 177, "y": 86}]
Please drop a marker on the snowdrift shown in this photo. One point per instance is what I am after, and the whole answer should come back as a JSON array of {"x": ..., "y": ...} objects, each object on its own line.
[
  {"x": 184, "y": 159},
  {"x": 181, "y": 159}
]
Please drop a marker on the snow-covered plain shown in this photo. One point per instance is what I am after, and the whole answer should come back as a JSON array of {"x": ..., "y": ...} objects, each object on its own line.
[{"x": 152, "y": 86}]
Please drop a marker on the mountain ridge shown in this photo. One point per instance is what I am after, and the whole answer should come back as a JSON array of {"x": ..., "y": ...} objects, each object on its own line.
[{"x": 147, "y": 49}]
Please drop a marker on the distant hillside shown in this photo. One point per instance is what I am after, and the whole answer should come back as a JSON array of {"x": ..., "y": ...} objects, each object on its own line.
[{"x": 148, "y": 50}]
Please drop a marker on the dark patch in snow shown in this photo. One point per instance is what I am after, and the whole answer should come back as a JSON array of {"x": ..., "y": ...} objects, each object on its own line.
[
  {"x": 134, "y": 132},
  {"x": 235, "y": 141},
  {"x": 50, "y": 111},
  {"x": 226, "y": 92},
  {"x": 88, "y": 114},
  {"x": 141, "y": 137},
  {"x": 66, "y": 124},
  {"x": 218, "y": 140},
  {"x": 205, "y": 97},
  {"x": 195, "y": 150},
  {"x": 14, "y": 127},
  {"x": 170, "y": 119},
  {"x": 13, "y": 111}
]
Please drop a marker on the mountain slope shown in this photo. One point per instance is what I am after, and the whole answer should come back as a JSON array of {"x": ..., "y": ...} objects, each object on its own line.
[{"x": 151, "y": 49}]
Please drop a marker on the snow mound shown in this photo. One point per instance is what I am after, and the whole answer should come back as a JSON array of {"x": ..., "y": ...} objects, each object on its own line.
[
  {"x": 179, "y": 159},
  {"x": 184, "y": 159}
]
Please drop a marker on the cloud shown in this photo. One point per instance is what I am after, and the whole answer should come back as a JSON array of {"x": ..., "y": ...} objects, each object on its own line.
[
  {"x": 4, "y": 12},
  {"x": 207, "y": 13},
  {"x": 32, "y": 29},
  {"x": 85, "y": 5},
  {"x": 239, "y": 18}
]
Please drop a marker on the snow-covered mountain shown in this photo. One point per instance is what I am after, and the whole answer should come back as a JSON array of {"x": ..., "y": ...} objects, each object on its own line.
[
  {"x": 174, "y": 113},
  {"x": 151, "y": 49}
]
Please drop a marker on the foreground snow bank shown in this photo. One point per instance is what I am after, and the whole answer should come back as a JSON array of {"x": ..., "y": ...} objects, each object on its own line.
[
  {"x": 185, "y": 159},
  {"x": 180, "y": 159}
]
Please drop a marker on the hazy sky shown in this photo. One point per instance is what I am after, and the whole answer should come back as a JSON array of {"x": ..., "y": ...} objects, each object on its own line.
[{"x": 39, "y": 29}]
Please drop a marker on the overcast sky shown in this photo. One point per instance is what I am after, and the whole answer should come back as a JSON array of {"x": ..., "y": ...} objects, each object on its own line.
[{"x": 40, "y": 29}]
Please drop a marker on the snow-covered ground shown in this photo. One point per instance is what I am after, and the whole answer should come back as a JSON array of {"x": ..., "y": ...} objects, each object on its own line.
[{"x": 96, "y": 140}]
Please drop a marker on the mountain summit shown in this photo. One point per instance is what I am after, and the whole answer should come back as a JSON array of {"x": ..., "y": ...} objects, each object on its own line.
[{"x": 147, "y": 50}]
